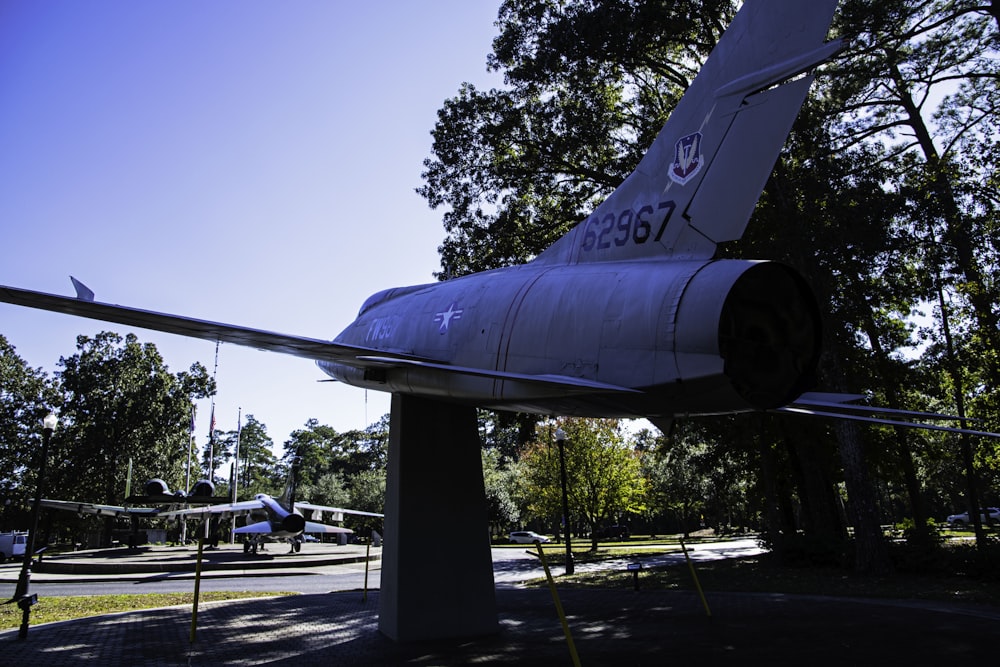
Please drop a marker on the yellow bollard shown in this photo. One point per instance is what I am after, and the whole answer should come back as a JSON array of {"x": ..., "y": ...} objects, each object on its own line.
[
  {"x": 368, "y": 550},
  {"x": 559, "y": 609},
  {"x": 697, "y": 584},
  {"x": 197, "y": 586}
]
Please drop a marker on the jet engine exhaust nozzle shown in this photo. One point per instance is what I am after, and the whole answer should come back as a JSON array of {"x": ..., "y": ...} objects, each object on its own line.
[
  {"x": 293, "y": 523},
  {"x": 770, "y": 335}
]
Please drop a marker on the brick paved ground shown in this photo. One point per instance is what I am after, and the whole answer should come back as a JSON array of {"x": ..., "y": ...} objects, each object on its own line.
[{"x": 620, "y": 627}]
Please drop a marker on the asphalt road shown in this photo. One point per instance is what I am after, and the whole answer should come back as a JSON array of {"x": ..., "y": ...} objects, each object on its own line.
[{"x": 511, "y": 566}]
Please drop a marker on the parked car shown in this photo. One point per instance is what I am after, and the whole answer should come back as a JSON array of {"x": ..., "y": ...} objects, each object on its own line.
[
  {"x": 12, "y": 545},
  {"x": 964, "y": 520},
  {"x": 527, "y": 537}
]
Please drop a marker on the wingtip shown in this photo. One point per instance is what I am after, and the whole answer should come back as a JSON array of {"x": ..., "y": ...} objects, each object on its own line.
[{"x": 83, "y": 293}]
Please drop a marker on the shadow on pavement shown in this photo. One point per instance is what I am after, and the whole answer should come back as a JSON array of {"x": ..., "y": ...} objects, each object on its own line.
[{"x": 609, "y": 627}]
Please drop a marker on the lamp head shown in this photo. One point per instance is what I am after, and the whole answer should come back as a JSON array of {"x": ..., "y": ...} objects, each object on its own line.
[
  {"x": 50, "y": 422},
  {"x": 560, "y": 435}
]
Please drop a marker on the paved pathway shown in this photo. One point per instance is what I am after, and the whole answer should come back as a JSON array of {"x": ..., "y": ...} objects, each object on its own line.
[
  {"x": 617, "y": 626},
  {"x": 610, "y": 627}
]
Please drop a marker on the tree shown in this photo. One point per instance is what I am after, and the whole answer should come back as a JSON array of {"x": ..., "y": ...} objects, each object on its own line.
[
  {"x": 121, "y": 405},
  {"x": 324, "y": 450},
  {"x": 676, "y": 486},
  {"x": 26, "y": 396},
  {"x": 922, "y": 82},
  {"x": 589, "y": 86},
  {"x": 500, "y": 481},
  {"x": 329, "y": 489},
  {"x": 604, "y": 479},
  {"x": 258, "y": 467},
  {"x": 343, "y": 469},
  {"x": 366, "y": 492},
  {"x": 885, "y": 198}
]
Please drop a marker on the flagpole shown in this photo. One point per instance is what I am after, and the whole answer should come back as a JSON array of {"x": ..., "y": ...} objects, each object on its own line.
[
  {"x": 187, "y": 472},
  {"x": 210, "y": 463},
  {"x": 190, "y": 446},
  {"x": 234, "y": 492},
  {"x": 211, "y": 427}
]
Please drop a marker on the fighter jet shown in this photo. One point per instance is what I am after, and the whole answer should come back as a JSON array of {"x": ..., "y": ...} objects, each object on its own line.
[
  {"x": 627, "y": 315},
  {"x": 275, "y": 518}
]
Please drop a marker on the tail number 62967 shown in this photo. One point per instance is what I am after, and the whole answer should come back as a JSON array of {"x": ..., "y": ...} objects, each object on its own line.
[{"x": 626, "y": 227}]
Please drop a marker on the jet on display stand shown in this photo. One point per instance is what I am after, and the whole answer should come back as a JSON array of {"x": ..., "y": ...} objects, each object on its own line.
[
  {"x": 630, "y": 314},
  {"x": 274, "y": 518}
]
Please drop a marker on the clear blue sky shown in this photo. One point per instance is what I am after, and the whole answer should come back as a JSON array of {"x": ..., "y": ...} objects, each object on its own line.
[{"x": 248, "y": 162}]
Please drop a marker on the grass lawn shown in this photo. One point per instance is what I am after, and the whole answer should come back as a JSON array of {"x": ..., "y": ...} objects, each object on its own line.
[
  {"x": 947, "y": 573},
  {"x": 759, "y": 575},
  {"x": 66, "y": 608}
]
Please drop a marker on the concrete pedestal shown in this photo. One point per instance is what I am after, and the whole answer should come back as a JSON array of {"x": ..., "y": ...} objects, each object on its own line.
[{"x": 437, "y": 572}]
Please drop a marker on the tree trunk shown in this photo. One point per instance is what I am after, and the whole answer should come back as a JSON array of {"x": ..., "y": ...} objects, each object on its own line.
[
  {"x": 871, "y": 554},
  {"x": 778, "y": 522},
  {"x": 921, "y": 534},
  {"x": 820, "y": 516}
]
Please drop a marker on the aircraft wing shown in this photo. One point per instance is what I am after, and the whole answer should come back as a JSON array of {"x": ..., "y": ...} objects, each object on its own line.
[
  {"x": 100, "y": 510},
  {"x": 263, "y": 527},
  {"x": 310, "y": 348},
  {"x": 242, "y": 506},
  {"x": 315, "y": 527},
  {"x": 565, "y": 383},
  {"x": 334, "y": 510},
  {"x": 299, "y": 346},
  {"x": 839, "y": 406}
]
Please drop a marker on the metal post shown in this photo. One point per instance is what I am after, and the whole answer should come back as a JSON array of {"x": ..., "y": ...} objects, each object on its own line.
[
  {"x": 22, "y": 593},
  {"x": 187, "y": 475},
  {"x": 561, "y": 440},
  {"x": 234, "y": 479}
]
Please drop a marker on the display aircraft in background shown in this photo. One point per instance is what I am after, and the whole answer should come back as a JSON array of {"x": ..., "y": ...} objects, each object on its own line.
[
  {"x": 155, "y": 499},
  {"x": 156, "y": 492},
  {"x": 275, "y": 518},
  {"x": 629, "y": 314}
]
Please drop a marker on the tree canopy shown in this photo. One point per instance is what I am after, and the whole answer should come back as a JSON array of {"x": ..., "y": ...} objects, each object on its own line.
[{"x": 885, "y": 198}]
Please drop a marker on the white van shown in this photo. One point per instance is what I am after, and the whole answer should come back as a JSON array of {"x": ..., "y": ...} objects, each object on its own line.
[{"x": 12, "y": 545}]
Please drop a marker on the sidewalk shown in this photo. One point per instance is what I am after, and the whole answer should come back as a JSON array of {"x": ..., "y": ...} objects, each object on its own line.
[{"x": 609, "y": 627}]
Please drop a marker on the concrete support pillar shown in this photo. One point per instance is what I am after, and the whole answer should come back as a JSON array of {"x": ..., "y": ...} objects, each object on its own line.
[{"x": 437, "y": 572}]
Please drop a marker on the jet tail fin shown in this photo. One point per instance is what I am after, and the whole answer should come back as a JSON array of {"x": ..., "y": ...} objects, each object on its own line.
[
  {"x": 287, "y": 498},
  {"x": 698, "y": 183}
]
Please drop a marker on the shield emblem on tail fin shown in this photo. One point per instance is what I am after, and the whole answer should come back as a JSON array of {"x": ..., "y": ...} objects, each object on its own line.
[{"x": 687, "y": 158}]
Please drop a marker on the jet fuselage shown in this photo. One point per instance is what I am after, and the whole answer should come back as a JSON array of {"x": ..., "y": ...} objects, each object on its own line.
[
  {"x": 688, "y": 337},
  {"x": 284, "y": 524}
]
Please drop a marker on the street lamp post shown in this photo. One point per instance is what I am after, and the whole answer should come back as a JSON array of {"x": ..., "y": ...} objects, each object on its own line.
[
  {"x": 561, "y": 441},
  {"x": 22, "y": 594}
]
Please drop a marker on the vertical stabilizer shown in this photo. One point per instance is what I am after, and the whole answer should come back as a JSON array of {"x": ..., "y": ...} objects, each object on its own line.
[
  {"x": 287, "y": 499},
  {"x": 700, "y": 180}
]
